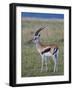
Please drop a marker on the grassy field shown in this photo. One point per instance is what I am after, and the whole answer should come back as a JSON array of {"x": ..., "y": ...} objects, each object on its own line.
[{"x": 30, "y": 59}]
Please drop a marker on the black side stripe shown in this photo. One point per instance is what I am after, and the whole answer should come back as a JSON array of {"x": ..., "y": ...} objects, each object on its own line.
[
  {"x": 46, "y": 50},
  {"x": 55, "y": 50}
]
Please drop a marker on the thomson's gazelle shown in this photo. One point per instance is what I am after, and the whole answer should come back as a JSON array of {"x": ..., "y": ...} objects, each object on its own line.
[{"x": 46, "y": 51}]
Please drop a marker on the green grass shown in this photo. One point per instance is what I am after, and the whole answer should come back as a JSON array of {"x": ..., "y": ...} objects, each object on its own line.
[{"x": 31, "y": 60}]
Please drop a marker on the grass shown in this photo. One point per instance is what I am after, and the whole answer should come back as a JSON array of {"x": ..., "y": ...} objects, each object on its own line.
[{"x": 31, "y": 60}]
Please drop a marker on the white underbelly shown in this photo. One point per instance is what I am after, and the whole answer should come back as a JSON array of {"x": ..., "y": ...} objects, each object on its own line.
[{"x": 48, "y": 54}]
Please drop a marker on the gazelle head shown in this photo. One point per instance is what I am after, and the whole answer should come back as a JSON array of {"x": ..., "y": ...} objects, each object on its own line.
[{"x": 36, "y": 37}]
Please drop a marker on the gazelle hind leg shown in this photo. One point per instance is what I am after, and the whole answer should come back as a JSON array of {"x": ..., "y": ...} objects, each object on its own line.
[
  {"x": 55, "y": 58},
  {"x": 57, "y": 62}
]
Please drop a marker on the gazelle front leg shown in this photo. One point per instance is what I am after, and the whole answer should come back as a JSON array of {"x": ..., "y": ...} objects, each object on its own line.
[
  {"x": 42, "y": 63},
  {"x": 46, "y": 59}
]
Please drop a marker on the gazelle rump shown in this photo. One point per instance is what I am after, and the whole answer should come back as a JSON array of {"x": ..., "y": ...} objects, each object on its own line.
[{"x": 46, "y": 51}]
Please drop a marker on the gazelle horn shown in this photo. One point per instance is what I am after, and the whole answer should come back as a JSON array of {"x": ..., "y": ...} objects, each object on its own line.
[{"x": 36, "y": 33}]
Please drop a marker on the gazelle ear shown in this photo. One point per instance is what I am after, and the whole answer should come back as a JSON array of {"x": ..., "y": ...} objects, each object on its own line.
[{"x": 39, "y": 35}]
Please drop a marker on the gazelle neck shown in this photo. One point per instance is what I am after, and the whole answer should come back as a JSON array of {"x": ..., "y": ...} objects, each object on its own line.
[{"x": 38, "y": 46}]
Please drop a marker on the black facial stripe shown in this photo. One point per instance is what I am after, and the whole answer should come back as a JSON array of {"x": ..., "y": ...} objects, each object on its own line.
[
  {"x": 46, "y": 50},
  {"x": 35, "y": 38},
  {"x": 55, "y": 50}
]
